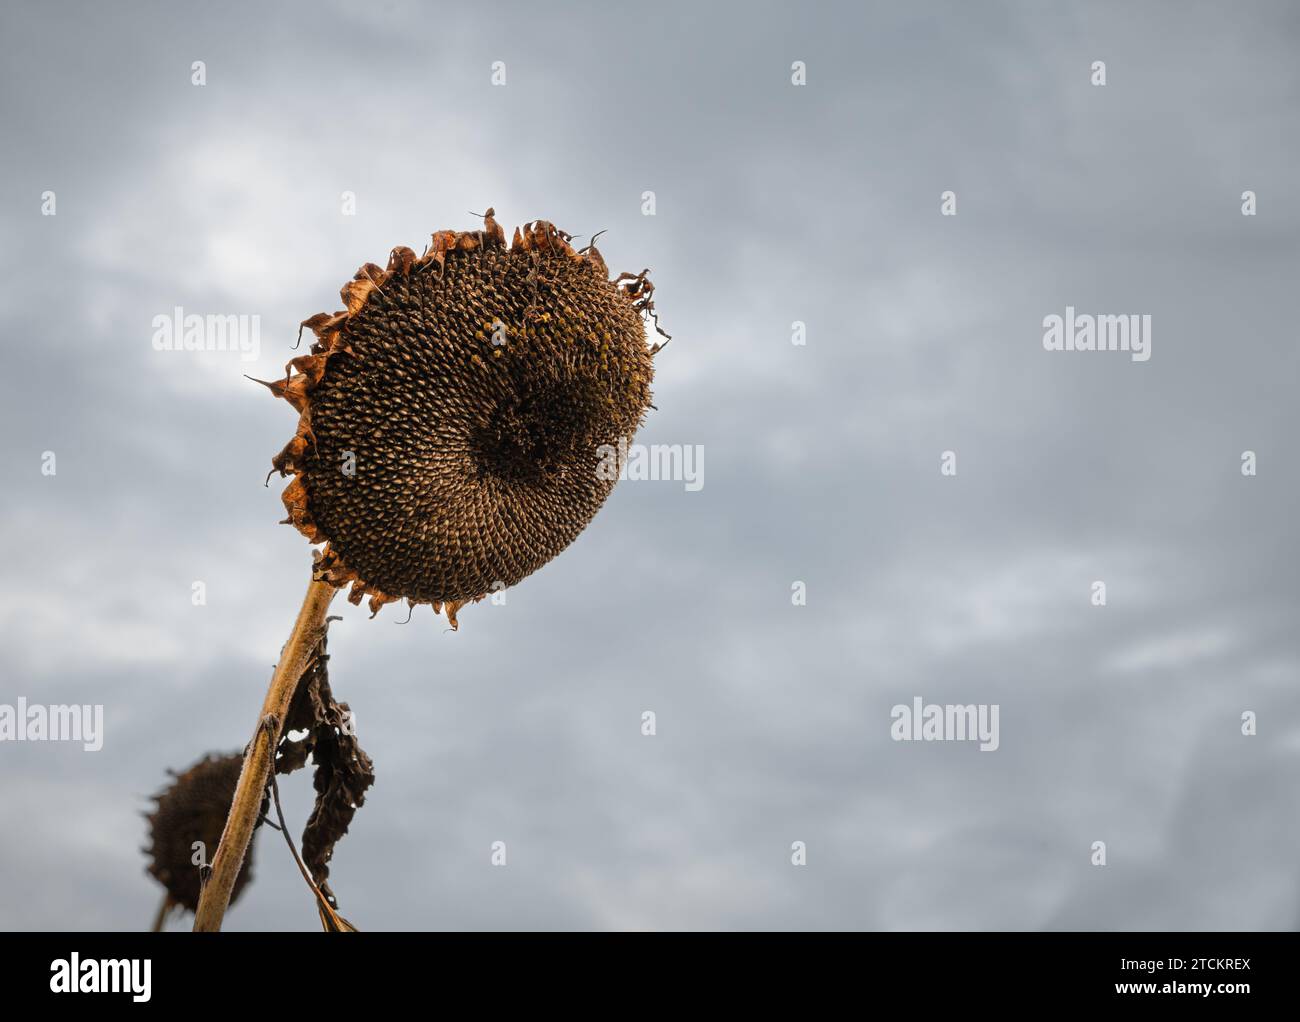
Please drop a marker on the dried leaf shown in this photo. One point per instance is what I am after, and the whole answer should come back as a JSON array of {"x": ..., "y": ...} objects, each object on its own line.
[{"x": 344, "y": 771}]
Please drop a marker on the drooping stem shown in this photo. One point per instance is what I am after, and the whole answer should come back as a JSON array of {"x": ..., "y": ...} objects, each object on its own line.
[
  {"x": 330, "y": 919},
  {"x": 163, "y": 911},
  {"x": 259, "y": 758}
]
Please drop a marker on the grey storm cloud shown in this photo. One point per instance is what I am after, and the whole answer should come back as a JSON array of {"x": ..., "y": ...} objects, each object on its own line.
[{"x": 774, "y": 204}]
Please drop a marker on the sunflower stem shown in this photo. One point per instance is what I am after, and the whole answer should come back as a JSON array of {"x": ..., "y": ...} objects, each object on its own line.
[
  {"x": 164, "y": 909},
  {"x": 259, "y": 757}
]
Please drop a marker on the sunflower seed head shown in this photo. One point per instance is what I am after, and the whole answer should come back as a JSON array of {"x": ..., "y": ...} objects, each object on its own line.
[
  {"x": 193, "y": 808},
  {"x": 452, "y": 415}
]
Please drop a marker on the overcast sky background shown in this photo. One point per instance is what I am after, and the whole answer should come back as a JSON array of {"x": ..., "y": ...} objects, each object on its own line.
[{"x": 775, "y": 203}]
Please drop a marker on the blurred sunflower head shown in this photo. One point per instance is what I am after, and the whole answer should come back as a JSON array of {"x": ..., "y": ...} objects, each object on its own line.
[
  {"x": 193, "y": 808},
  {"x": 452, "y": 414}
]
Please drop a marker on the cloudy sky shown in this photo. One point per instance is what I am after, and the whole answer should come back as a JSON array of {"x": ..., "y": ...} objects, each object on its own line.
[{"x": 774, "y": 203}]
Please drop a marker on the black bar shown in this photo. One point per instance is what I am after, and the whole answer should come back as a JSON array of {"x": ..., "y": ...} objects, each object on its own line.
[{"x": 919, "y": 971}]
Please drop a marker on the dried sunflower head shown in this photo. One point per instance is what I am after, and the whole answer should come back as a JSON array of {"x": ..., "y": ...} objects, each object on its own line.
[
  {"x": 193, "y": 808},
  {"x": 452, "y": 414}
]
